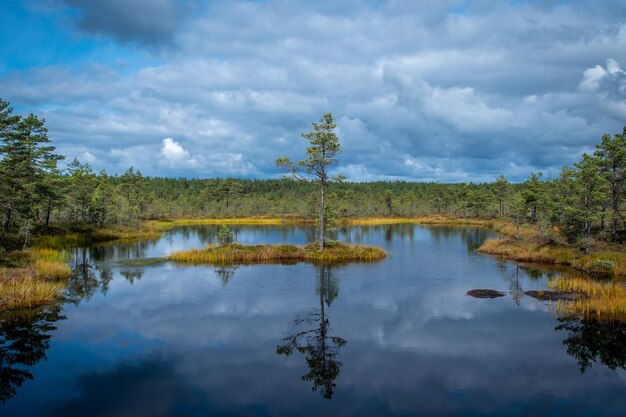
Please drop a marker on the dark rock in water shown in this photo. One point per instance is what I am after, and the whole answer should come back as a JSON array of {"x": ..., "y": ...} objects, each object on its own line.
[
  {"x": 555, "y": 295},
  {"x": 482, "y": 293}
]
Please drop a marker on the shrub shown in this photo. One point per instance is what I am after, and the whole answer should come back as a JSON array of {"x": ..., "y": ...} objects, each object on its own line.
[
  {"x": 601, "y": 266},
  {"x": 224, "y": 235}
]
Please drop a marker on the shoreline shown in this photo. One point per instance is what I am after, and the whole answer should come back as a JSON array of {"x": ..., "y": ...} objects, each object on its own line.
[{"x": 43, "y": 269}]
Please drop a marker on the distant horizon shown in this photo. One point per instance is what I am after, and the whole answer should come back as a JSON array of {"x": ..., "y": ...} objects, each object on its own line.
[{"x": 452, "y": 92}]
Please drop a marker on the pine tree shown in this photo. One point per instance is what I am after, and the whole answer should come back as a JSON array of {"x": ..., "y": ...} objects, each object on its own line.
[
  {"x": 611, "y": 154},
  {"x": 320, "y": 156}
]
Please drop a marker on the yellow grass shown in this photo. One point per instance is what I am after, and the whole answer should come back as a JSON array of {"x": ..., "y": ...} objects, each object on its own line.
[
  {"x": 166, "y": 224},
  {"x": 605, "y": 300},
  {"x": 27, "y": 291},
  {"x": 373, "y": 221},
  {"x": 49, "y": 264},
  {"x": 237, "y": 253},
  {"x": 40, "y": 282},
  {"x": 608, "y": 262}
]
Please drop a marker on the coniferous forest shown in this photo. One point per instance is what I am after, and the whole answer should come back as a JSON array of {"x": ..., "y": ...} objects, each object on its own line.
[{"x": 587, "y": 200}]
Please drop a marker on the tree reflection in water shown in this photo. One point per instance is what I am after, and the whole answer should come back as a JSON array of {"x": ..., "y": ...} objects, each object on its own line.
[
  {"x": 311, "y": 338},
  {"x": 592, "y": 341},
  {"x": 225, "y": 273},
  {"x": 24, "y": 339},
  {"x": 86, "y": 279}
]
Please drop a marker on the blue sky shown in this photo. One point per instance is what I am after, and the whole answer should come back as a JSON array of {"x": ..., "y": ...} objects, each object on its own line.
[{"x": 431, "y": 91}]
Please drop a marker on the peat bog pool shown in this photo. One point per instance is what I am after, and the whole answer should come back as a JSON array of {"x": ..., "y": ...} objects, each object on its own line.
[{"x": 395, "y": 337}]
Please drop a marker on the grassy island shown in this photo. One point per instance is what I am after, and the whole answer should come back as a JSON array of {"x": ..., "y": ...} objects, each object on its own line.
[
  {"x": 604, "y": 261},
  {"x": 238, "y": 253}
]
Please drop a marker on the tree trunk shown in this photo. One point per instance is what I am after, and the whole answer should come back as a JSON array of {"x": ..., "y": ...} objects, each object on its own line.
[
  {"x": 7, "y": 222},
  {"x": 322, "y": 209},
  {"x": 587, "y": 232},
  {"x": 48, "y": 210}
]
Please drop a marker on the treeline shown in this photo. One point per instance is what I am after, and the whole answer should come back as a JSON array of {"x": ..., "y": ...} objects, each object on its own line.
[{"x": 586, "y": 201}]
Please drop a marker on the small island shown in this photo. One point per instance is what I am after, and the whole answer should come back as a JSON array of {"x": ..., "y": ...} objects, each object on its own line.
[{"x": 236, "y": 253}]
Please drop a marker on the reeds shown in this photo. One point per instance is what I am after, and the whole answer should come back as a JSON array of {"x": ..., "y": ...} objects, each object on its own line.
[
  {"x": 41, "y": 281},
  {"x": 28, "y": 291},
  {"x": 236, "y": 253},
  {"x": 604, "y": 301},
  {"x": 49, "y": 264}
]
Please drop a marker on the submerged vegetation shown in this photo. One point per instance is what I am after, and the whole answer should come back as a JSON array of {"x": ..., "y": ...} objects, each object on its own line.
[
  {"x": 605, "y": 300},
  {"x": 234, "y": 253}
]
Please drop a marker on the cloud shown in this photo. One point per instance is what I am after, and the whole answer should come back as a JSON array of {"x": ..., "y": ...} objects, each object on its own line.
[
  {"x": 420, "y": 92},
  {"x": 148, "y": 22},
  {"x": 175, "y": 154},
  {"x": 609, "y": 84}
]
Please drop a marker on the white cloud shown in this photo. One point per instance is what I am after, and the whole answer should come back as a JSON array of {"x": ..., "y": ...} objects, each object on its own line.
[{"x": 175, "y": 155}]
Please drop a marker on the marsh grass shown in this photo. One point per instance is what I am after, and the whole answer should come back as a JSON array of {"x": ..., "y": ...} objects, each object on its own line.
[
  {"x": 40, "y": 280},
  {"x": 600, "y": 262},
  {"x": 235, "y": 253},
  {"x": 28, "y": 291},
  {"x": 606, "y": 300},
  {"x": 434, "y": 220},
  {"x": 49, "y": 264},
  {"x": 68, "y": 240}
]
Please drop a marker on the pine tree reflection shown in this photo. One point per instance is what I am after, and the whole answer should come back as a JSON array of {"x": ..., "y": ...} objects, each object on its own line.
[
  {"x": 24, "y": 339},
  {"x": 225, "y": 273},
  {"x": 85, "y": 278},
  {"x": 591, "y": 341},
  {"x": 316, "y": 343}
]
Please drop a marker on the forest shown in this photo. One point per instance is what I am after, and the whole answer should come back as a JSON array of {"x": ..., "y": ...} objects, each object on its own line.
[{"x": 587, "y": 202}]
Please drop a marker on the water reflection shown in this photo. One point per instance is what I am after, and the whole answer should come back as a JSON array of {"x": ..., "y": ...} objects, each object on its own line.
[
  {"x": 225, "y": 273},
  {"x": 593, "y": 341},
  {"x": 24, "y": 339},
  {"x": 86, "y": 278},
  {"x": 311, "y": 337}
]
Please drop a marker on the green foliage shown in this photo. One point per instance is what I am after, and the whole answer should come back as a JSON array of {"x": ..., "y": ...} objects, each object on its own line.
[
  {"x": 26, "y": 160},
  {"x": 585, "y": 203},
  {"x": 321, "y": 154},
  {"x": 611, "y": 159},
  {"x": 601, "y": 266},
  {"x": 224, "y": 235}
]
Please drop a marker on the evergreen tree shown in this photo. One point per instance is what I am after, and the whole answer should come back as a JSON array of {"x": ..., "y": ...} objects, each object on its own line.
[
  {"x": 27, "y": 157},
  {"x": 611, "y": 154},
  {"x": 320, "y": 156}
]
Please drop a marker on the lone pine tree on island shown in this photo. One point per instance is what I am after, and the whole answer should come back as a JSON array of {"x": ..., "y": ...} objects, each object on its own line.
[{"x": 320, "y": 155}]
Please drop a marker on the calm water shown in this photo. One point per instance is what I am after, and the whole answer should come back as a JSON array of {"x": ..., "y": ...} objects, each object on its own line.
[{"x": 398, "y": 337}]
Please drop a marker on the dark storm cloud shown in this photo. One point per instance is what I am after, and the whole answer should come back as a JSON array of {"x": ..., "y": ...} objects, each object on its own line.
[{"x": 146, "y": 21}]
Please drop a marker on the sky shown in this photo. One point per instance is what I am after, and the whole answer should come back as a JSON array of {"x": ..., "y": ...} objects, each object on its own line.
[{"x": 444, "y": 91}]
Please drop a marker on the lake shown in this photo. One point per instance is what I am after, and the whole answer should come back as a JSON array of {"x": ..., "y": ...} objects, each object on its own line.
[{"x": 400, "y": 337}]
